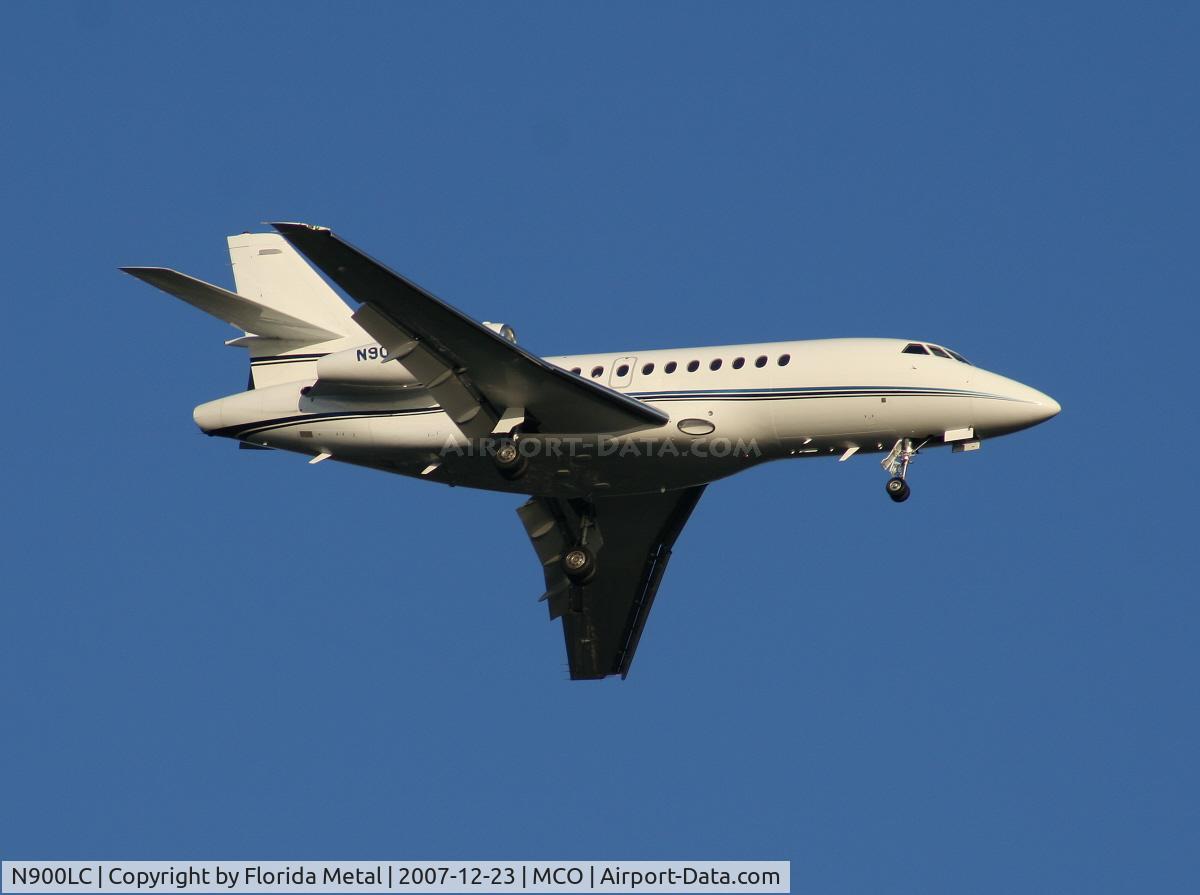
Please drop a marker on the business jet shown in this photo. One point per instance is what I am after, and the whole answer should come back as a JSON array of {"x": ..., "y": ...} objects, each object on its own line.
[{"x": 613, "y": 450}]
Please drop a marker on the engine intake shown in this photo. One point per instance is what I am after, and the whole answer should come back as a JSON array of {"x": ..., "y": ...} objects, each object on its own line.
[{"x": 503, "y": 329}]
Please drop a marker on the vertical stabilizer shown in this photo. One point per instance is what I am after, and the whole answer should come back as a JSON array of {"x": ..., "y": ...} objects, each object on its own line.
[{"x": 268, "y": 270}]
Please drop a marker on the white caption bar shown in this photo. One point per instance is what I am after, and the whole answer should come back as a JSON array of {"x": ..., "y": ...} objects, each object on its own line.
[{"x": 396, "y": 876}]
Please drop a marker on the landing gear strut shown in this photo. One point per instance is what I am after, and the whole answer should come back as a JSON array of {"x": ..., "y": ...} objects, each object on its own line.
[{"x": 896, "y": 465}]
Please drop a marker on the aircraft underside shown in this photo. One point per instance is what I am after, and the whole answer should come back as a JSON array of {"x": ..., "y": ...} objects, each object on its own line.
[{"x": 424, "y": 446}]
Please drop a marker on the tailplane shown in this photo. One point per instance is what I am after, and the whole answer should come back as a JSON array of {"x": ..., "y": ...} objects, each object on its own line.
[
  {"x": 248, "y": 315},
  {"x": 289, "y": 315}
]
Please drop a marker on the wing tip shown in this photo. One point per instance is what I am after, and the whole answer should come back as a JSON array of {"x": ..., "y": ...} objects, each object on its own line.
[
  {"x": 286, "y": 227},
  {"x": 145, "y": 273}
]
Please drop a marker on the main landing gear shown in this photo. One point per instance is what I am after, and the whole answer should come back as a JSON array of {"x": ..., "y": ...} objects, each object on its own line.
[
  {"x": 896, "y": 465},
  {"x": 578, "y": 562},
  {"x": 509, "y": 460}
]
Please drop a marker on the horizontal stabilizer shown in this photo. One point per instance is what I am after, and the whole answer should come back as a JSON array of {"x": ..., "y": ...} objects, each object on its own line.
[{"x": 244, "y": 313}]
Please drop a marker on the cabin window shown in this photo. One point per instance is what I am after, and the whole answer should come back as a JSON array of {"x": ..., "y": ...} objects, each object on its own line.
[
  {"x": 784, "y": 360},
  {"x": 647, "y": 369},
  {"x": 597, "y": 372},
  {"x": 760, "y": 361},
  {"x": 576, "y": 370},
  {"x": 693, "y": 366},
  {"x": 939, "y": 352},
  {"x": 914, "y": 348},
  {"x": 670, "y": 367},
  {"x": 739, "y": 362},
  {"x": 715, "y": 365},
  {"x": 622, "y": 371}
]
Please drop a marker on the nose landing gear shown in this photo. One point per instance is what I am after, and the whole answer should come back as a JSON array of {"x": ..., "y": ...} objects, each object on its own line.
[{"x": 896, "y": 465}]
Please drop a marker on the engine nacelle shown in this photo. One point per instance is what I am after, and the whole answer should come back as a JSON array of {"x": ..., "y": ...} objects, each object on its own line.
[
  {"x": 364, "y": 367},
  {"x": 503, "y": 329}
]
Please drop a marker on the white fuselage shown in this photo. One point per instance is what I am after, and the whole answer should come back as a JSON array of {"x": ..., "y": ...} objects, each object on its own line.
[{"x": 729, "y": 409}]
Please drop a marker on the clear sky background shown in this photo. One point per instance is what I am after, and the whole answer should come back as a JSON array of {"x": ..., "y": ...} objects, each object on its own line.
[{"x": 992, "y": 688}]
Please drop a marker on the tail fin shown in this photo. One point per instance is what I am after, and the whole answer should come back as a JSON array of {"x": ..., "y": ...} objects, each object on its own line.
[{"x": 268, "y": 270}]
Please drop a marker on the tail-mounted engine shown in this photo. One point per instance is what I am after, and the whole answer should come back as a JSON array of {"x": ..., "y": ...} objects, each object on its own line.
[
  {"x": 503, "y": 329},
  {"x": 368, "y": 366},
  {"x": 364, "y": 367}
]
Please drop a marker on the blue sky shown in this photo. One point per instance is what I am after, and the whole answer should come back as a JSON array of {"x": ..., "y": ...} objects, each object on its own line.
[{"x": 214, "y": 653}]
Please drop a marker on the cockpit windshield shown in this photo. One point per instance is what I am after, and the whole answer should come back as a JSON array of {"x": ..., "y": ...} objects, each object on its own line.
[{"x": 937, "y": 351}]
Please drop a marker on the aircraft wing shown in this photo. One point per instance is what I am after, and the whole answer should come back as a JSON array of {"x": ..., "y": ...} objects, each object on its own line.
[
  {"x": 474, "y": 373},
  {"x": 632, "y": 540}
]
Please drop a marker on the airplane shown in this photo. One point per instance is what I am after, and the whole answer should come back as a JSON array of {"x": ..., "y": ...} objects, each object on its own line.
[{"x": 613, "y": 450}]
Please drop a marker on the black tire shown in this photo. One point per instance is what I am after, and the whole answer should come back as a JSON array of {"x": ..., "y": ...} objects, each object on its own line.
[
  {"x": 509, "y": 460},
  {"x": 898, "y": 490},
  {"x": 578, "y": 564}
]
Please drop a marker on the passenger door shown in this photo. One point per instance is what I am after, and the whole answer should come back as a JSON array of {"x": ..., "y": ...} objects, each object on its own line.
[{"x": 622, "y": 372}]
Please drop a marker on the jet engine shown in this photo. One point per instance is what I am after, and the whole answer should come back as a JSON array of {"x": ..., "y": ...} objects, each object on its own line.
[
  {"x": 503, "y": 329},
  {"x": 364, "y": 367}
]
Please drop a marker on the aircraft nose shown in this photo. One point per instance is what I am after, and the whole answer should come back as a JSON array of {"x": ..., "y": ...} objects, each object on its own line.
[
  {"x": 1029, "y": 406},
  {"x": 208, "y": 416},
  {"x": 1005, "y": 405},
  {"x": 1045, "y": 407}
]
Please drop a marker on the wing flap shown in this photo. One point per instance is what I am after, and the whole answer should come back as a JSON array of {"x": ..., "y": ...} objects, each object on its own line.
[{"x": 500, "y": 373}]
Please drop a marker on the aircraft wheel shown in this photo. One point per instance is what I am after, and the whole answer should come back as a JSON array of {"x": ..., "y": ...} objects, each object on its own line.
[
  {"x": 898, "y": 490},
  {"x": 509, "y": 460},
  {"x": 579, "y": 565}
]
